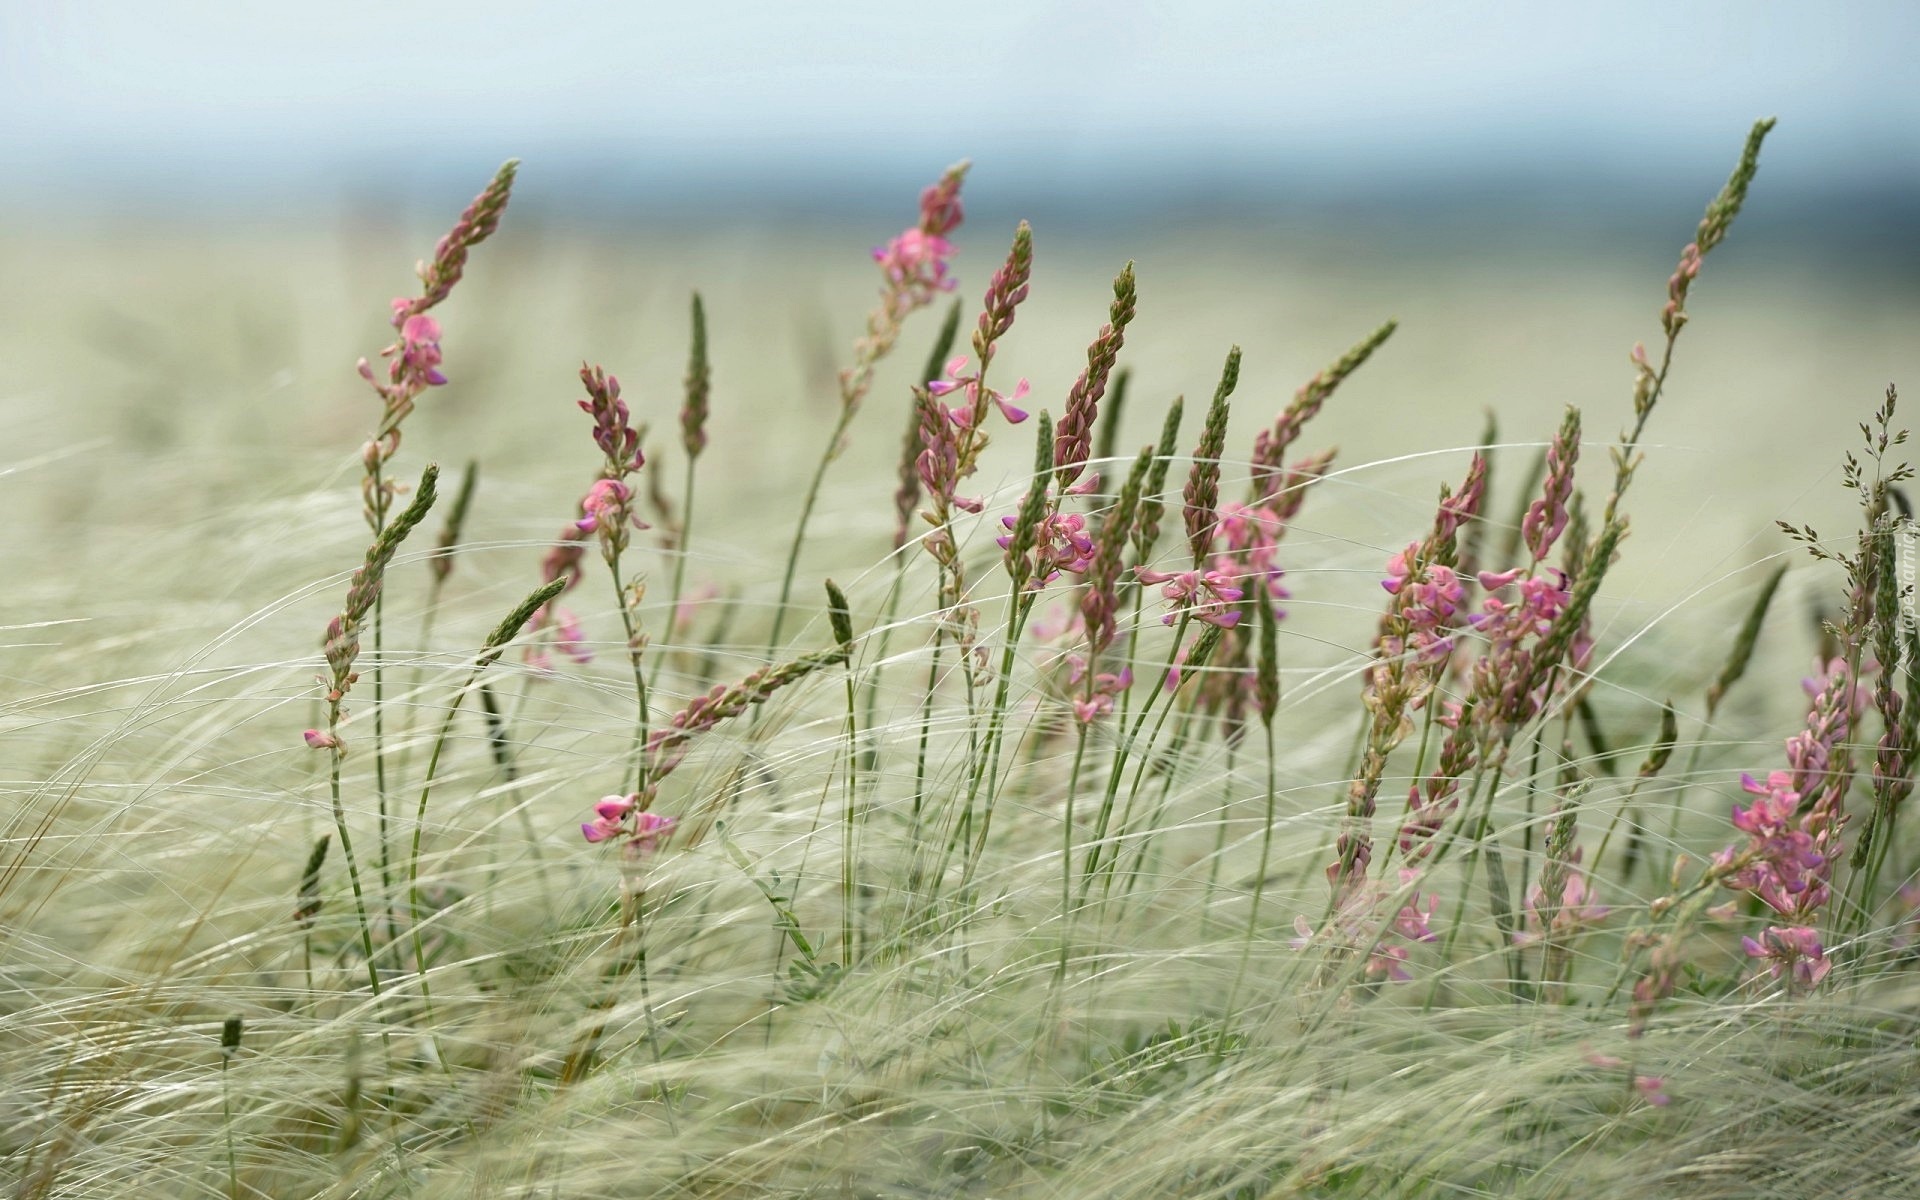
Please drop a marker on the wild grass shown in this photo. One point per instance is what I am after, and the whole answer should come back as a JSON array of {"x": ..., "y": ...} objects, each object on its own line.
[{"x": 887, "y": 895}]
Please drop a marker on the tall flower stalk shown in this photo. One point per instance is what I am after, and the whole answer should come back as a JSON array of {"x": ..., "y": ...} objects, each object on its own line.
[
  {"x": 952, "y": 439},
  {"x": 342, "y": 650},
  {"x": 1043, "y": 541},
  {"x": 608, "y": 512},
  {"x": 1197, "y": 595},
  {"x": 693, "y": 439},
  {"x": 1413, "y": 647},
  {"x": 913, "y": 269},
  {"x": 413, "y": 366}
]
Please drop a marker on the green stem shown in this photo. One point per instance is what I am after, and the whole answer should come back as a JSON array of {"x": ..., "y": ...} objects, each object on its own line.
[
  {"x": 800, "y": 527},
  {"x": 1219, "y": 844},
  {"x": 686, "y": 539},
  {"x": 870, "y": 757},
  {"x": 849, "y": 862},
  {"x": 419, "y": 826},
  {"x": 1259, "y": 890},
  {"x": 987, "y": 763},
  {"x": 637, "y": 772},
  {"x": 1066, "y": 861},
  {"x": 353, "y": 863},
  {"x": 1125, "y": 745}
]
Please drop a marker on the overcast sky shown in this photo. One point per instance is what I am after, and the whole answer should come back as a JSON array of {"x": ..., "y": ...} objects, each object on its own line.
[{"x": 212, "y": 95}]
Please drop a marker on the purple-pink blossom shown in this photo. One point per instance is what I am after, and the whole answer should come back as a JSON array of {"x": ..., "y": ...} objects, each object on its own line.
[
  {"x": 1208, "y": 595},
  {"x": 1793, "y": 825},
  {"x": 1547, "y": 516},
  {"x": 1428, "y": 609},
  {"x": 915, "y": 264},
  {"x": 951, "y": 439},
  {"x": 1575, "y": 912},
  {"x": 1792, "y": 951},
  {"x": 1060, "y": 543},
  {"x": 958, "y": 378},
  {"x": 1105, "y": 687},
  {"x": 1652, "y": 1088},
  {"x": 623, "y": 817},
  {"x": 607, "y": 507},
  {"x": 1514, "y": 629},
  {"x": 1357, "y": 924},
  {"x": 1251, "y": 551},
  {"x": 613, "y": 428}
]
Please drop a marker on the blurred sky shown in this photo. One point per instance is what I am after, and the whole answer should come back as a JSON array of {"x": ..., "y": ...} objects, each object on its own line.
[{"x": 230, "y": 104}]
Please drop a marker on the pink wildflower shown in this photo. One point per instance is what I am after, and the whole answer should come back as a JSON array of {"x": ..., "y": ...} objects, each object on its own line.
[
  {"x": 623, "y": 816},
  {"x": 1793, "y": 827},
  {"x": 1575, "y": 912},
  {"x": 1793, "y": 951},
  {"x": 951, "y": 438},
  {"x": 1073, "y": 438},
  {"x": 1652, "y": 1088},
  {"x": 1513, "y": 630},
  {"x": 940, "y": 208},
  {"x": 607, "y": 507},
  {"x": 959, "y": 379},
  {"x": 1429, "y": 609},
  {"x": 569, "y": 638},
  {"x": 613, "y": 428},
  {"x": 611, "y": 819},
  {"x": 1106, "y": 687},
  {"x": 915, "y": 264},
  {"x": 1209, "y": 595},
  {"x": 1357, "y": 925},
  {"x": 1251, "y": 534},
  {"x": 1060, "y": 544},
  {"x": 1547, "y": 516}
]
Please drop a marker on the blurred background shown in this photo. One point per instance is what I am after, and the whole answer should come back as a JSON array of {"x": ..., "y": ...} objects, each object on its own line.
[{"x": 208, "y": 204}]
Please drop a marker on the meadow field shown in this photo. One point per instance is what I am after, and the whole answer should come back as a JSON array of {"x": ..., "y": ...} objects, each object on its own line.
[{"x": 352, "y": 847}]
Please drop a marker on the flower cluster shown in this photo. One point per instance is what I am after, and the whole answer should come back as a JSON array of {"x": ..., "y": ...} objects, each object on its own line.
[
  {"x": 914, "y": 268},
  {"x": 607, "y": 509},
  {"x": 1428, "y": 608},
  {"x": 950, "y": 437},
  {"x": 1208, "y": 595},
  {"x": 1414, "y": 645},
  {"x": 414, "y": 358},
  {"x": 627, "y": 817},
  {"x": 613, "y": 429},
  {"x": 1357, "y": 925},
  {"x": 1513, "y": 630},
  {"x": 1574, "y": 911},
  {"x": 1793, "y": 828},
  {"x": 1792, "y": 951},
  {"x": 1060, "y": 543},
  {"x": 959, "y": 379},
  {"x": 1101, "y": 691},
  {"x": 1673, "y": 316},
  {"x": 1251, "y": 551},
  {"x": 1547, "y": 516},
  {"x": 915, "y": 262},
  {"x": 1781, "y": 864},
  {"x": 1100, "y": 598},
  {"x": 1073, "y": 440},
  {"x": 953, "y": 438}
]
